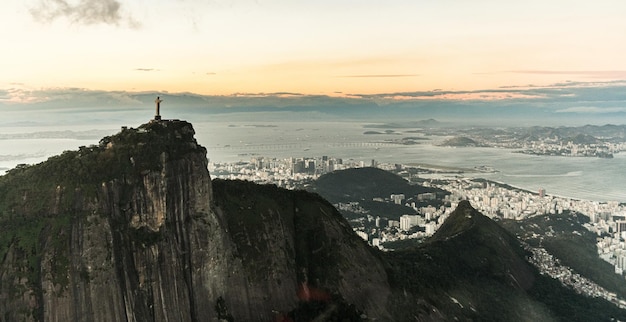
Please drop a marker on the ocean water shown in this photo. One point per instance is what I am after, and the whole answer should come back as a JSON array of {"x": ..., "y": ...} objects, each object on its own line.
[
  {"x": 580, "y": 178},
  {"x": 574, "y": 177}
]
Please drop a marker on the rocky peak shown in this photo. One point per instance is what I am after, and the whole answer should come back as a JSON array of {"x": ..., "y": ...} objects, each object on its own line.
[
  {"x": 128, "y": 230},
  {"x": 460, "y": 220},
  {"x": 110, "y": 231}
]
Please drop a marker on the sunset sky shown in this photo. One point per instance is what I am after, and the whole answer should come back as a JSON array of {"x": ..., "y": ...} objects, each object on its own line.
[{"x": 313, "y": 47}]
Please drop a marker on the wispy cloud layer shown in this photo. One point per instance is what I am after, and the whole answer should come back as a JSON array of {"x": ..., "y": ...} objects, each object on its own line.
[
  {"x": 84, "y": 12},
  {"x": 585, "y": 73},
  {"x": 65, "y": 96},
  {"x": 581, "y": 92},
  {"x": 592, "y": 110},
  {"x": 571, "y": 100},
  {"x": 381, "y": 75}
]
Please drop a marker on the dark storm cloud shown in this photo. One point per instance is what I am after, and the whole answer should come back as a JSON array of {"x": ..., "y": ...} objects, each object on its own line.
[{"x": 85, "y": 12}]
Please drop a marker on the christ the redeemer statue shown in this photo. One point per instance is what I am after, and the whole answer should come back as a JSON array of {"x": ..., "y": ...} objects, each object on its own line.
[{"x": 158, "y": 101}]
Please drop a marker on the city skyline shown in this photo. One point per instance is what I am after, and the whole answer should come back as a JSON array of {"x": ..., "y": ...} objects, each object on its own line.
[{"x": 341, "y": 48}]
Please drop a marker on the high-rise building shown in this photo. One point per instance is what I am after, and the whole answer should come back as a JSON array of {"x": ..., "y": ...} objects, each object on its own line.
[
  {"x": 408, "y": 221},
  {"x": 397, "y": 199},
  {"x": 542, "y": 192},
  {"x": 297, "y": 166},
  {"x": 620, "y": 261},
  {"x": 405, "y": 222},
  {"x": 310, "y": 166},
  {"x": 620, "y": 226},
  {"x": 394, "y": 223},
  {"x": 430, "y": 228}
]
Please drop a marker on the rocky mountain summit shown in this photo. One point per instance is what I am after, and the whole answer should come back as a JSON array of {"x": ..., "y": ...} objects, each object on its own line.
[
  {"x": 129, "y": 230},
  {"x": 133, "y": 229}
]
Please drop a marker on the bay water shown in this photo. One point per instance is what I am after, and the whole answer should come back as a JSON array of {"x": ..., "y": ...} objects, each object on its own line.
[{"x": 574, "y": 177}]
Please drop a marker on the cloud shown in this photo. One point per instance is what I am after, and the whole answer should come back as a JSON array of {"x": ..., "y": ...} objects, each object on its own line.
[
  {"x": 84, "y": 12},
  {"x": 146, "y": 69},
  {"x": 438, "y": 94},
  {"x": 594, "y": 93},
  {"x": 23, "y": 156},
  {"x": 568, "y": 84},
  {"x": 381, "y": 75},
  {"x": 573, "y": 99},
  {"x": 20, "y": 96},
  {"x": 462, "y": 96},
  {"x": 587, "y": 73},
  {"x": 266, "y": 95},
  {"x": 592, "y": 110},
  {"x": 65, "y": 96}
]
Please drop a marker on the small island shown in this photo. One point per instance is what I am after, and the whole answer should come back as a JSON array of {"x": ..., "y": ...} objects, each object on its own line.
[{"x": 462, "y": 141}]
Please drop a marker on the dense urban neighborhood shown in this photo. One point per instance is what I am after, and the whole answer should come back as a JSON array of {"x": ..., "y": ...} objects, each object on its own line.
[{"x": 426, "y": 212}]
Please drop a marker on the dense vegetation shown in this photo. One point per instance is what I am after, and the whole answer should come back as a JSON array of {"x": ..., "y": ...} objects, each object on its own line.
[
  {"x": 125, "y": 156},
  {"x": 49, "y": 196},
  {"x": 564, "y": 237},
  {"x": 364, "y": 184},
  {"x": 474, "y": 269}
]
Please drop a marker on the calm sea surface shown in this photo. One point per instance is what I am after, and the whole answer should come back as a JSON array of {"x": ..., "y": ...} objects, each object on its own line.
[{"x": 581, "y": 178}]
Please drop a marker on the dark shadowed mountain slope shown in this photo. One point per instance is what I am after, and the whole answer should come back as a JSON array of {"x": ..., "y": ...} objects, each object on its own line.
[
  {"x": 470, "y": 269},
  {"x": 299, "y": 242},
  {"x": 564, "y": 236},
  {"x": 474, "y": 269}
]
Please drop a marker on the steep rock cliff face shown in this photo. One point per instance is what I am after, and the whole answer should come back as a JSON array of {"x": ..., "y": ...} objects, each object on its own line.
[
  {"x": 128, "y": 231},
  {"x": 294, "y": 246},
  {"x": 120, "y": 230}
]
